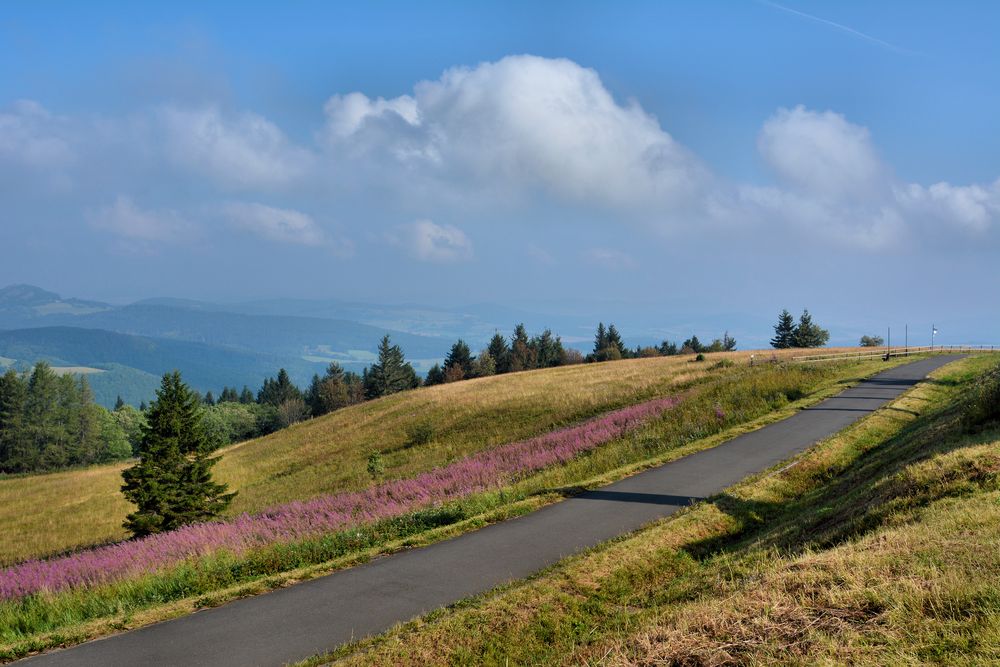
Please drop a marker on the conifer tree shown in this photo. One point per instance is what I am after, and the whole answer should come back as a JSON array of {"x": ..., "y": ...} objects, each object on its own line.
[
  {"x": 784, "y": 331},
  {"x": 390, "y": 373},
  {"x": 601, "y": 339},
  {"x": 460, "y": 358},
  {"x": 809, "y": 334},
  {"x": 668, "y": 348},
  {"x": 172, "y": 484},
  {"x": 500, "y": 352},
  {"x": 522, "y": 357},
  {"x": 434, "y": 376},
  {"x": 614, "y": 339},
  {"x": 119, "y": 403},
  {"x": 246, "y": 396},
  {"x": 13, "y": 441}
]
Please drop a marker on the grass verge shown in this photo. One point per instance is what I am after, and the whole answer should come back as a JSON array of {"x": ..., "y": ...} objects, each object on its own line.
[
  {"x": 880, "y": 546},
  {"x": 742, "y": 399}
]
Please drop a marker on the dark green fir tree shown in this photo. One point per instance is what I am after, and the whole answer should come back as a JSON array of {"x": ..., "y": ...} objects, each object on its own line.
[{"x": 172, "y": 484}]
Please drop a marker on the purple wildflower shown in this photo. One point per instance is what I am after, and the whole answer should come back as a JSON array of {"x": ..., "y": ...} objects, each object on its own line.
[{"x": 304, "y": 519}]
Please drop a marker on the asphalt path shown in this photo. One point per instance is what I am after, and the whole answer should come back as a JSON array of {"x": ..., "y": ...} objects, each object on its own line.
[{"x": 293, "y": 623}]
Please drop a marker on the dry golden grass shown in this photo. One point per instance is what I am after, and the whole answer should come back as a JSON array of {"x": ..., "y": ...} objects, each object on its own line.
[
  {"x": 881, "y": 546},
  {"x": 45, "y": 514}
]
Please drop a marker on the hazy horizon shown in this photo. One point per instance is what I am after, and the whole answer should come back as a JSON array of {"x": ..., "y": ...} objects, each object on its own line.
[{"x": 685, "y": 163}]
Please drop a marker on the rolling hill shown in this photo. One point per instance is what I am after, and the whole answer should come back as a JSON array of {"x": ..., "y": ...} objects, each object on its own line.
[{"x": 133, "y": 365}]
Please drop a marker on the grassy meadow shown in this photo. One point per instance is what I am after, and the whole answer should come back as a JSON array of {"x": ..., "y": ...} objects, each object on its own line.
[
  {"x": 746, "y": 397},
  {"x": 880, "y": 546},
  {"x": 51, "y": 513}
]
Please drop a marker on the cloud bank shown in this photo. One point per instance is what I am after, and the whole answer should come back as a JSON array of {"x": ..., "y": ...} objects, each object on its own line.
[{"x": 525, "y": 135}]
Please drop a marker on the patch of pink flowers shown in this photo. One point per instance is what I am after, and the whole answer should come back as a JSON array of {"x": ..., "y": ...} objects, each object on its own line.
[{"x": 304, "y": 519}]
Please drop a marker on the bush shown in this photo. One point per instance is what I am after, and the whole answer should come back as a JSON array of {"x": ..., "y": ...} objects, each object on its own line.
[
  {"x": 982, "y": 404},
  {"x": 700, "y": 357},
  {"x": 375, "y": 465},
  {"x": 723, "y": 363},
  {"x": 419, "y": 434}
]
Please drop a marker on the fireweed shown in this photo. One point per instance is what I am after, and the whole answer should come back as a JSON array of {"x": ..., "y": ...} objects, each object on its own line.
[{"x": 305, "y": 519}]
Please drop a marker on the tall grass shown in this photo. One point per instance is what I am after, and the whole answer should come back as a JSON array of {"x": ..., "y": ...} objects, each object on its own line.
[
  {"x": 878, "y": 547},
  {"x": 302, "y": 520},
  {"x": 482, "y": 482}
]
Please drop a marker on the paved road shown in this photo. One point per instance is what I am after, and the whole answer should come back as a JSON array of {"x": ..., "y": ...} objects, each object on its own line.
[{"x": 315, "y": 616}]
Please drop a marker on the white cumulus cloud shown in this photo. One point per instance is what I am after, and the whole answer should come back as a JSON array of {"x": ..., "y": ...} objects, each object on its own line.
[
  {"x": 821, "y": 153},
  {"x": 523, "y": 123},
  {"x": 126, "y": 220},
  {"x": 282, "y": 225},
  {"x": 243, "y": 150},
  {"x": 429, "y": 242},
  {"x": 33, "y": 137}
]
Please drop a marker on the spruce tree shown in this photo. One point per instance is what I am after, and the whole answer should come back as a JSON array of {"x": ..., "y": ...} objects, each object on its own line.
[
  {"x": 809, "y": 334},
  {"x": 390, "y": 373},
  {"x": 459, "y": 357},
  {"x": 601, "y": 339},
  {"x": 784, "y": 331},
  {"x": 500, "y": 352},
  {"x": 172, "y": 484},
  {"x": 434, "y": 376},
  {"x": 119, "y": 403},
  {"x": 246, "y": 396},
  {"x": 614, "y": 339},
  {"x": 14, "y": 455}
]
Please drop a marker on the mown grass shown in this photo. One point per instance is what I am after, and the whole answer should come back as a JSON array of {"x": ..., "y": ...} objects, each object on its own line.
[
  {"x": 52, "y": 513},
  {"x": 746, "y": 397},
  {"x": 879, "y": 546}
]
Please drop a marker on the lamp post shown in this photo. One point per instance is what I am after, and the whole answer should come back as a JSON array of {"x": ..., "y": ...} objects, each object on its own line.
[{"x": 933, "y": 333}]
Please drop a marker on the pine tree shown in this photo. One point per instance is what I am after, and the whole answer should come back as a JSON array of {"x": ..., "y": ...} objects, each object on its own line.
[
  {"x": 692, "y": 346},
  {"x": 601, "y": 339},
  {"x": 276, "y": 391},
  {"x": 548, "y": 349},
  {"x": 668, "y": 349},
  {"x": 522, "y": 357},
  {"x": 784, "y": 331},
  {"x": 119, "y": 403},
  {"x": 484, "y": 365},
  {"x": 460, "y": 358},
  {"x": 172, "y": 485},
  {"x": 500, "y": 352},
  {"x": 728, "y": 342},
  {"x": 246, "y": 396},
  {"x": 14, "y": 455},
  {"x": 809, "y": 334},
  {"x": 209, "y": 398},
  {"x": 390, "y": 373},
  {"x": 328, "y": 393},
  {"x": 615, "y": 340},
  {"x": 434, "y": 376},
  {"x": 44, "y": 420}
]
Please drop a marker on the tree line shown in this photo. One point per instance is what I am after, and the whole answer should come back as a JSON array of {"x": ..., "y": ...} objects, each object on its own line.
[{"x": 49, "y": 421}]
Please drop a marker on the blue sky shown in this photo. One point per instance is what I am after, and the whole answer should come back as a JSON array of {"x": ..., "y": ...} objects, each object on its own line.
[{"x": 698, "y": 159}]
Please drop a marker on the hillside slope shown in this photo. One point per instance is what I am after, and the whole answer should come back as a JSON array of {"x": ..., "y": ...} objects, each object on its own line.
[
  {"x": 135, "y": 364},
  {"x": 53, "y": 512},
  {"x": 879, "y": 546}
]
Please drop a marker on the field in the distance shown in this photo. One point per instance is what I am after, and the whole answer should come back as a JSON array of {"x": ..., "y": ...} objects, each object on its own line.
[{"x": 45, "y": 514}]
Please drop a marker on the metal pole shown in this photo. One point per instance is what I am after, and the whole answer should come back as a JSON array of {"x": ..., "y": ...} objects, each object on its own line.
[{"x": 906, "y": 339}]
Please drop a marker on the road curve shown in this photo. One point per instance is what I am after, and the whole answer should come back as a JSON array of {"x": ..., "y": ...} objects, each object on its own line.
[{"x": 294, "y": 623}]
